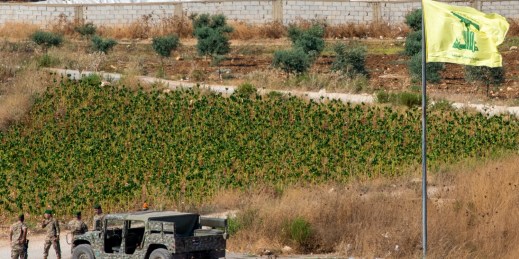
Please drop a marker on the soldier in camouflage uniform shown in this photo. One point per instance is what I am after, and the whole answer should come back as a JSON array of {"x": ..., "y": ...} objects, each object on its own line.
[
  {"x": 77, "y": 226},
  {"x": 51, "y": 226},
  {"x": 98, "y": 218},
  {"x": 18, "y": 238}
]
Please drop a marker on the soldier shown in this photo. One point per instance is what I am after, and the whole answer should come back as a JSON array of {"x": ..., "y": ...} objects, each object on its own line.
[
  {"x": 51, "y": 226},
  {"x": 98, "y": 217},
  {"x": 77, "y": 226},
  {"x": 18, "y": 238}
]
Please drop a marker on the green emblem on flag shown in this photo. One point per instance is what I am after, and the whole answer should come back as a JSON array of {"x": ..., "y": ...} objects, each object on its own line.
[{"x": 469, "y": 42}]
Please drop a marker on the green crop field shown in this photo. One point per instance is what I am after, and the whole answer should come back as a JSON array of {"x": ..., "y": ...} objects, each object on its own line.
[{"x": 82, "y": 144}]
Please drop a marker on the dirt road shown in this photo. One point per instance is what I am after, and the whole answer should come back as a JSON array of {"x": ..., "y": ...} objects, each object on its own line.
[
  {"x": 37, "y": 241},
  {"x": 36, "y": 248}
]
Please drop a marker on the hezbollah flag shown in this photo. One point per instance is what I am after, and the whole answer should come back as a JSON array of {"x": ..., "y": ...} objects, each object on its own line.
[{"x": 462, "y": 35}]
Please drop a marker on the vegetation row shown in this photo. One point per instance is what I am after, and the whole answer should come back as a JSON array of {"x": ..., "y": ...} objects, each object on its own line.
[{"x": 82, "y": 143}]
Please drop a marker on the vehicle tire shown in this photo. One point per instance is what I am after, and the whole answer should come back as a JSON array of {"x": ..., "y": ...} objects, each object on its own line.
[
  {"x": 83, "y": 252},
  {"x": 161, "y": 253}
]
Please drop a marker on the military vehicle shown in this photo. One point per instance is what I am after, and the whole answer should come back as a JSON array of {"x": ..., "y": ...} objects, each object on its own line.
[{"x": 153, "y": 235}]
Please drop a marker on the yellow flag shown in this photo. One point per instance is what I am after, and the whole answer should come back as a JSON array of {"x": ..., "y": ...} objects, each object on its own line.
[{"x": 463, "y": 35}]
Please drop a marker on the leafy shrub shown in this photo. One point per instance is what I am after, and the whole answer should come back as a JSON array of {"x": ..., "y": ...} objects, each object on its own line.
[
  {"x": 47, "y": 61},
  {"x": 86, "y": 30},
  {"x": 91, "y": 80},
  {"x": 403, "y": 98},
  {"x": 293, "y": 61},
  {"x": 382, "y": 97},
  {"x": 432, "y": 69},
  {"x": 103, "y": 45},
  {"x": 409, "y": 99},
  {"x": 46, "y": 39},
  {"x": 414, "y": 20},
  {"x": 413, "y": 43},
  {"x": 245, "y": 90},
  {"x": 300, "y": 231},
  {"x": 164, "y": 45},
  {"x": 442, "y": 105},
  {"x": 350, "y": 59},
  {"x": 310, "y": 40},
  {"x": 212, "y": 34},
  {"x": 485, "y": 75}
]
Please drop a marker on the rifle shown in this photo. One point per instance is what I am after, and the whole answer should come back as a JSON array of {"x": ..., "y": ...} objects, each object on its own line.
[{"x": 25, "y": 249}]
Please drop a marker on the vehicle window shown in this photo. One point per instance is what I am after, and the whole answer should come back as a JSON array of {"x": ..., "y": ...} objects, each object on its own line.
[
  {"x": 136, "y": 224},
  {"x": 114, "y": 224}
]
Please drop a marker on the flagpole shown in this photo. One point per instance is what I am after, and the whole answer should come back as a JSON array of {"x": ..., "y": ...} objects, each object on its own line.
[{"x": 424, "y": 140}]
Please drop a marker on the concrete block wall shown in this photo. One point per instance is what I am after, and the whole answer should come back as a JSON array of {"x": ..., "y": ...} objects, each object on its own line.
[
  {"x": 505, "y": 8},
  {"x": 125, "y": 14},
  {"x": 33, "y": 14},
  {"x": 250, "y": 11},
  {"x": 334, "y": 12}
]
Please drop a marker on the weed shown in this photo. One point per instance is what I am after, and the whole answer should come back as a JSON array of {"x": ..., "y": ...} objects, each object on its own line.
[
  {"x": 46, "y": 39},
  {"x": 86, "y": 30},
  {"x": 47, "y": 61},
  {"x": 102, "y": 45},
  {"x": 245, "y": 90}
]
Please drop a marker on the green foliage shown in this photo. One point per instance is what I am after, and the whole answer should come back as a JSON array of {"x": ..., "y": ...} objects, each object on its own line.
[
  {"x": 414, "y": 20},
  {"x": 403, "y": 98},
  {"x": 245, "y": 90},
  {"x": 382, "y": 97},
  {"x": 47, "y": 61},
  {"x": 212, "y": 34},
  {"x": 413, "y": 43},
  {"x": 165, "y": 44},
  {"x": 86, "y": 30},
  {"x": 103, "y": 45},
  {"x": 350, "y": 59},
  {"x": 46, "y": 39},
  {"x": 114, "y": 140},
  {"x": 243, "y": 220},
  {"x": 91, "y": 80},
  {"x": 432, "y": 69},
  {"x": 442, "y": 105},
  {"x": 409, "y": 99},
  {"x": 293, "y": 61},
  {"x": 485, "y": 75},
  {"x": 310, "y": 41},
  {"x": 300, "y": 231}
]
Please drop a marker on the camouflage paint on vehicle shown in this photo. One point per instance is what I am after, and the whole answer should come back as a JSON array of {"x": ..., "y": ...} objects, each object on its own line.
[{"x": 179, "y": 233}]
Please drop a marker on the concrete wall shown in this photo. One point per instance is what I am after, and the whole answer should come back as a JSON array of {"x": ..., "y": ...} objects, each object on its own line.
[{"x": 259, "y": 11}]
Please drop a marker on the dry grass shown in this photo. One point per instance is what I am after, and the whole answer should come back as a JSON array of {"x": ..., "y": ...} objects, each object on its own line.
[
  {"x": 149, "y": 26},
  {"x": 245, "y": 31},
  {"x": 473, "y": 208},
  {"x": 152, "y": 25},
  {"x": 18, "y": 94},
  {"x": 313, "y": 81},
  {"x": 17, "y": 30}
]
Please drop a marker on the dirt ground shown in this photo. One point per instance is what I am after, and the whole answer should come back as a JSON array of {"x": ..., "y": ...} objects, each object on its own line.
[{"x": 385, "y": 63}]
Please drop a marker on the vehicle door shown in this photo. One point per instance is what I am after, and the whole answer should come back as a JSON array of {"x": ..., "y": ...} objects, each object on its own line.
[{"x": 113, "y": 245}]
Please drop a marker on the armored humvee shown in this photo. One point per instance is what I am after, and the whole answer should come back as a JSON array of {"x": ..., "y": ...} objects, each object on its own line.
[{"x": 153, "y": 235}]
